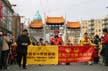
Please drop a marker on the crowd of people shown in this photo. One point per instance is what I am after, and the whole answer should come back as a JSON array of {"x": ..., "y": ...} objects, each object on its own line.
[{"x": 18, "y": 49}]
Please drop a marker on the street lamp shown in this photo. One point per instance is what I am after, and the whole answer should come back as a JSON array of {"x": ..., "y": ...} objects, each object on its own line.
[{"x": 14, "y": 5}]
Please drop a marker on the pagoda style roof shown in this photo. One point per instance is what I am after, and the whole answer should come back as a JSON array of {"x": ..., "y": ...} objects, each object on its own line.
[
  {"x": 37, "y": 24},
  {"x": 55, "y": 20},
  {"x": 73, "y": 25}
]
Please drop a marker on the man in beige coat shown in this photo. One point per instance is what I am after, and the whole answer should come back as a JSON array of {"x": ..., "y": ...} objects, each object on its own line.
[{"x": 5, "y": 51}]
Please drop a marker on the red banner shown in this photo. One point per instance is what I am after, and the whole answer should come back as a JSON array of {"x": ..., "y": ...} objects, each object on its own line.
[
  {"x": 69, "y": 54},
  {"x": 0, "y": 10}
]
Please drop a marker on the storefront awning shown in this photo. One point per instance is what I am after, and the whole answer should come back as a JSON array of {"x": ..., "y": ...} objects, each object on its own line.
[{"x": 73, "y": 25}]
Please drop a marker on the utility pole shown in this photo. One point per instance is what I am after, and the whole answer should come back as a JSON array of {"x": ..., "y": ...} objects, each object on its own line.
[{"x": 107, "y": 12}]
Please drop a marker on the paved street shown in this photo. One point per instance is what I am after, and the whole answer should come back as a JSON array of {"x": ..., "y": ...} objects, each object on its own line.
[{"x": 72, "y": 67}]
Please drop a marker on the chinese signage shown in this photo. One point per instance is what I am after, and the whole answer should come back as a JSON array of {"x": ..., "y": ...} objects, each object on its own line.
[
  {"x": 42, "y": 55},
  {"x": 59, "y": 54},
  {"x": 75, "y": 53}
]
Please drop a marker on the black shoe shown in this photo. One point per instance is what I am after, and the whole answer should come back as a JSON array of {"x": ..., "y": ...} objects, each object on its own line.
[
  {"x": 106, "y": 64},
  {"x": 5, "y": 67},
  {"x": 67, "y": 63},
  {"x": 19, "y": 65},
  {"x": 24, "y": 67},
  {"x": 0, "y": 68}
]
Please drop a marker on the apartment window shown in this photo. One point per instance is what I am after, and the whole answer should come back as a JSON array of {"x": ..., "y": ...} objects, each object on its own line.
[
  {"x": 83, "y": 27},
  {"x": 107, "y": 26},
  {"x": 103, "y": 21},
  {"x": 99, "y": 30},
  {"x": 99, "y": 21}
]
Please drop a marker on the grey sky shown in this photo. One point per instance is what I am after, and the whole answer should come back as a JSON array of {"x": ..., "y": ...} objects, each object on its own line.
[{"x": 74, "y": 10}]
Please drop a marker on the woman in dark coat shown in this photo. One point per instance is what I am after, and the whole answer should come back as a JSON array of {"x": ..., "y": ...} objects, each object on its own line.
[{"x": 96, "y": 42}]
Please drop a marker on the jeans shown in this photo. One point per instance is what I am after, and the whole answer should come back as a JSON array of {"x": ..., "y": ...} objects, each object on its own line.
[
  {"x": 4, "y": 59},
  {"x": 105, "y": 54}
]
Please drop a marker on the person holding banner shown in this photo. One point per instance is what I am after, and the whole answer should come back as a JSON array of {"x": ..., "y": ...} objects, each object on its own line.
[
  {"x": 96, "y": 41},
  {"x": 41, "y": 42},
  {"x": 46, "y": 43},
  {"x": 56, "y": 40},
  {"x": 104, "y": 51},
  {"x": 86, "y": 42},
  {"x": 22, "y": 43}
]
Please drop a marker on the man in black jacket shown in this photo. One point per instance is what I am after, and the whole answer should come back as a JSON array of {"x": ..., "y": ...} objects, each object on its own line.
[{"x": 22, "y": 44}]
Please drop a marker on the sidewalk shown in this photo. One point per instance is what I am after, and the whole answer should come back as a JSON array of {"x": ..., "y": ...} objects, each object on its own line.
[{"x": 72, "y": 67}]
